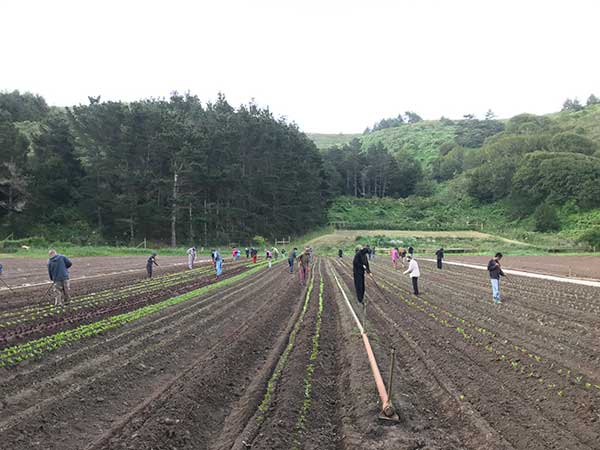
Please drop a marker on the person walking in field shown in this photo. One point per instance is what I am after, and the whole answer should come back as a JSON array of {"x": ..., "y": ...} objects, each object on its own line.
[
  {"x": 439, "y": 255},
  {"x": 247, "y": 253},
  {"x": 395, "y": 255},
  {"x": 413, "y": 270},
  {"x": 253, "y": 254},
  {"x": 218, "y": 263},
  {"x": 291, "y": 259},
  {"x": 191, "y": 252},
  {"x": 150, "y": 264},
  {"x": 360, "y": 265},
  {"x": 303, "y": 263},
  {"x": 58, "y": 271},
  {"x": 495, "y": 270}
]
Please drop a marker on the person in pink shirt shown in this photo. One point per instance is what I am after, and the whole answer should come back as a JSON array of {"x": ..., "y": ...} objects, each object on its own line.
[{"x": 395, "y": 254}]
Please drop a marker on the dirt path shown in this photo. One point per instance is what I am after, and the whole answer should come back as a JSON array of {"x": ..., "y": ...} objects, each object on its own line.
[{"x": 587, "y": 267}]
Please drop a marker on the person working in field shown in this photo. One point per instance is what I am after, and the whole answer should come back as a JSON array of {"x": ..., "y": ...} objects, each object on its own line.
[
  {"x": 303, "y": 263},
  {"x": 495, "y": 270},
  {"x": 291, "y": 258},
  {"x": 150, "y": 264},
  {"x": 253, "y": 254},
  {"x": 439, "y": 256},
  {"x": 269, "y": 256},
  {"x": 395, "y": 255},
  {"x": 218, "y": 263},
  {"x": 340, "y": 253},
  {"x": 402, "y": 252},
  {"x": 360, "y": 265},
  {"x": 411, "y": 250},
  {"x": 58, "y": 271},
  {"x": 191, "y": 254},
  {"x": 413, "y": 270}
]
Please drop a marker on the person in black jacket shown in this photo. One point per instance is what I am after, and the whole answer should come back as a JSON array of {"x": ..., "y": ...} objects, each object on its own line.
[
  {"x": 439, "y": 254},
  {"x": 360, "y": 264},
  {"x": 496, "y": 272},
  {"x": 340, "y": 253},
  {"x": 150, "y": 263}
]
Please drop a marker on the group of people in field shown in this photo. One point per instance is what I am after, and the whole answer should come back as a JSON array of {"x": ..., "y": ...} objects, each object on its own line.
[
  {"x": 59, "y": 265},
  {"x": 360, "y": 267}
]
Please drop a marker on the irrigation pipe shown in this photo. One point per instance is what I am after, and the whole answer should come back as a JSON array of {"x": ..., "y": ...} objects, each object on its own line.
[
  {"x": 525, "y": 274},
  {"x": 387, "y": 408}
]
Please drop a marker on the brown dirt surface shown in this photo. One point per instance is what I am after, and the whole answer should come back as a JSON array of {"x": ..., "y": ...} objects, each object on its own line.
[
  {"x": 28, "y": 271},
  {"x": 587, "y": 267},
  {"x": 265, "y": 363}
]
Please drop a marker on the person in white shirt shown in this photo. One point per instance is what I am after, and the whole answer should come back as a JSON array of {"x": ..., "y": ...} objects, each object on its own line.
[
  {"x": 191, "y": 257},
  {"x": 413, "y": 270}
]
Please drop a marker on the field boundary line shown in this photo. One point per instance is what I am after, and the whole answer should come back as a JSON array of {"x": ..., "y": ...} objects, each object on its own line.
[{"x": 522, "y": 273}]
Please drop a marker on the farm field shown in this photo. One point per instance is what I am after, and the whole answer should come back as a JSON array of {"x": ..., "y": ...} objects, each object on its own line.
[
  {"x": 564, "y": 265},
  {"x": 256, "y": 360},
  {"x": 29, "y": 271}
]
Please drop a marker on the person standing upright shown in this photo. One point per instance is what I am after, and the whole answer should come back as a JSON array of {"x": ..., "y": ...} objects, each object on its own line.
[
  {"x": 58, "y": 271},
  {"x": 411, "y": 250},
  {"x": 150, "y": 263},
  {"x": 439, "y": 255},
  {"x": 269, "y": 257},
  {"x": 495, "y": 270},
  {"x": 360, "y": 265},
  {"x": 253, "y": 254},
  {"x": 218, "y": 263},
  {"x": 415, "y": 273},
  {"x": 340, "y": 253},
  {"x": 291, "y": 259},
  {"x": 247, "y": 253},
  {"x": 191, "y": 252}
]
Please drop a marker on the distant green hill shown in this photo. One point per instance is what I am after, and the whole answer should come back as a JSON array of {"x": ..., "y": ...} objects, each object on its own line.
[{"x": 421, "y": 139}]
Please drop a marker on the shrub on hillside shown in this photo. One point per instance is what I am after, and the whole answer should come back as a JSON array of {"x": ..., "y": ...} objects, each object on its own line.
[{"x": 546, "y": 218}]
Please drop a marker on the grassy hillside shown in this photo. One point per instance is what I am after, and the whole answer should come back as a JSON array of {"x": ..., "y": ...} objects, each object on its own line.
[
  {"x": 421, "y": 139},
  {"x": 323, "y": 140}
]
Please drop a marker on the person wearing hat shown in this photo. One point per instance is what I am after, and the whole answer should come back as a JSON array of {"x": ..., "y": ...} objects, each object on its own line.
[
  {"x": 413, "y": 270},
  {"x": 150, "y": 263}
]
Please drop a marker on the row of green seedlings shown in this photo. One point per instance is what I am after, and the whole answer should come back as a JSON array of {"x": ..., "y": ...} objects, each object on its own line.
[
  {"x": 108, "y": 296},
  {"x": 11, "y": 356},
  {"x": 149, "y": 285},
  {"x": 556, "y": 297},
  {"x": 265, "y": 404},
  {"x": 310, "y": 369},
  {"x": 527, "y": 370},
  {"x": 519, "y": 318}
]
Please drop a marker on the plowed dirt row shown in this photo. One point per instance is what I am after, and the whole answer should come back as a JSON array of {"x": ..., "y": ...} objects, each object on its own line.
[{"x": 544, "y": 410}]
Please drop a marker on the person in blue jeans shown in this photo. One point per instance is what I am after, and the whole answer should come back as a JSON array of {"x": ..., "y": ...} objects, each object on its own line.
[
  {"x": 218, "y": 263},
  {"x": 291, "y": 259},
  {"x": 495, "y": 270}
]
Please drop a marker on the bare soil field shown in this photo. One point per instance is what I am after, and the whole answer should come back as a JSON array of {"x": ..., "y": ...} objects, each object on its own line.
[
  {"x": 256, "y": 359},
  {"x": 28, "y": 271},
  {"x": 587, "y": 267}
]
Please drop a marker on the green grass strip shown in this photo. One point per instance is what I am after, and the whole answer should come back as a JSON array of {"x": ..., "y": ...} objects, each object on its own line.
[
  {"x": 283, "y": 359},
  {"x": 13, "y": 355},
  {"x": 310, "y": 368}
]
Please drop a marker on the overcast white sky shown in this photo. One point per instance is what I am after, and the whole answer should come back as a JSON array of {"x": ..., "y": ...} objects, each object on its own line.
[{"x": 330, "y": 66}]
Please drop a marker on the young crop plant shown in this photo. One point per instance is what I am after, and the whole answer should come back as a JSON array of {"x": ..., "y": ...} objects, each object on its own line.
[
  {"x": 310, "y": 369},
  {"x": 283, "y": 359},
  {"x": 17, "y": 353}
]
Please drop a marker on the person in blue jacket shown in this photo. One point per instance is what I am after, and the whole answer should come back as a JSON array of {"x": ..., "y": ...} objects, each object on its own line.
[{"x": 58, "y": 271}]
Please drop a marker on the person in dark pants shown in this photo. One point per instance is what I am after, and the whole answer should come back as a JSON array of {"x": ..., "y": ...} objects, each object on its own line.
[
  {"x": 411, "y": 251},
  {"x": 413, "y": 270},
  {"x": 360, "y": 264},
  {"x": 439, "y": 254},
  {"x": 150, "y": 263},
  {"x": 247, "y": 253},
  {"x": 340, "y": 253}
]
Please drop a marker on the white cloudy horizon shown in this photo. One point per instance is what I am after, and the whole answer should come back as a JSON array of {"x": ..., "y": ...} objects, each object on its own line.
[{"x": 329, "y": 66}]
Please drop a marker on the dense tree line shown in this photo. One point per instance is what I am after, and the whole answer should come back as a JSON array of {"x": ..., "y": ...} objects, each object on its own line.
[
  {"x": 374, "y": 172},
  {"x": 392, "y": 122},
  {"x": 170, "y": 169}
]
